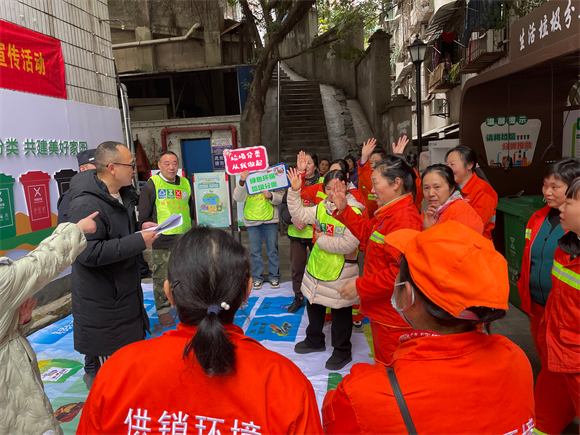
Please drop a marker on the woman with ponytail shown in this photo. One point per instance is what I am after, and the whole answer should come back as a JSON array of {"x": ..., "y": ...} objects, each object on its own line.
[{"x": 206, "y": 374}]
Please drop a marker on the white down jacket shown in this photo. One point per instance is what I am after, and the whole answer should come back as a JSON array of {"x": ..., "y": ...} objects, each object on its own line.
[
  {"x": 325, "y": 292},
  {"x": 24, "y": 407}
]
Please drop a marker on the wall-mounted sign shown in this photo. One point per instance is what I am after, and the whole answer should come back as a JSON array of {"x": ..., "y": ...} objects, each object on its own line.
[
  {"x": 551, "y": 22},
  {"x": 513, "y": 136},
  {"x": 218, "y": 146},
  {"x": 571, "y": 134},
  {"x": 246, "y": 159},
  {"x": 212, "y": 203},
  {"x": 30, "y": 61},
  {"x": 273, "y": 178}
]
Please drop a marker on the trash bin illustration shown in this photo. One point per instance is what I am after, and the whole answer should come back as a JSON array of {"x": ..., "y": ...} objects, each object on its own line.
[
  {"x": 63, "y": 178},
  {"x": 37, "y": 199},
  {"x": 7, "y": 218}
]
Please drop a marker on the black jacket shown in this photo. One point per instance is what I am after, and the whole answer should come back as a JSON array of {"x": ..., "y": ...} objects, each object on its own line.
[{"x": 107, "y": 299}]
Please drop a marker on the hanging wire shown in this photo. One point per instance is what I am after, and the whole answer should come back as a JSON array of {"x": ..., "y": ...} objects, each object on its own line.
[{"x": 552, "y": 121}]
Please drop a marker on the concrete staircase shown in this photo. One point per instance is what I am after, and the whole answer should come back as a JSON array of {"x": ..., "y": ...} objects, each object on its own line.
[{"x": 302, "y": 121}]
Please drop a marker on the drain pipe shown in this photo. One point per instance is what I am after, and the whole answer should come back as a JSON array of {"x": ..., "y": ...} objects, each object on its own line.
[
  {"x": 187, "y": 36},
  {"x": 168, "y": 130},
  {"x": 278, "y": 118}
]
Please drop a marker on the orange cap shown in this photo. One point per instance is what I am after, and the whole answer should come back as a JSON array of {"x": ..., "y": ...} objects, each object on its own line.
[{"x": 455, "y": 267}]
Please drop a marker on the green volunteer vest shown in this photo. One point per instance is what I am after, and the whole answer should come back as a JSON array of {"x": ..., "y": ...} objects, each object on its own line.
[
  {"x": 323, "y": 265},
  {"x": 172, "y": 199},
  {"x": 308, "y": 232},
  {"x": 258, "y": 208}
]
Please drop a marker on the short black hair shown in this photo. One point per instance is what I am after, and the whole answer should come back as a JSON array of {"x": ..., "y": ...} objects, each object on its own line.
[
  {"x": 564, "y": 170},
  {"x": 207, "y": 267},
  {"x": 380, "y": 151},
  {"x": 164, "y": 153},
  {"x": 325, "y": 160},
  {"x": 573, "y": 191},
  {"x": 335, "y": 174},
  {"x": 106, "y": 153},
  {"x": 444, "y": 172},
  {"x": 395, "y": 166},
  {"x": 314, "y": 157},
  {"x": 466, "y": 154}
]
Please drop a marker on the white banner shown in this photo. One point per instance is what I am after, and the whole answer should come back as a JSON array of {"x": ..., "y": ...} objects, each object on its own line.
[{"x": 39, "y": 137}]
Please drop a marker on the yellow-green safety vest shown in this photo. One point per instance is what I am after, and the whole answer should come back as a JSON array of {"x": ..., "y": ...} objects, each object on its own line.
[
  {"x": 258, "y": 208},
  {"x": 308, "y": 232},
  {"x": 322, "y": 265},
  {"x": 172, "y": 199}
]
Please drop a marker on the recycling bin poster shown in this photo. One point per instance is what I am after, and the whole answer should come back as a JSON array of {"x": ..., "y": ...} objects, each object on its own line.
[
  {"x": 212, "y": 199},
  {"x": 510, "y": 136},
  {"x": 40, "y": 138}
]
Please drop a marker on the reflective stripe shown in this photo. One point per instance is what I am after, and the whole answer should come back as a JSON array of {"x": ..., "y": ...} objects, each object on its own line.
[
  {"x": 566, "y": 275},
  {"x": 529, "y": 233},
  {"x": 321, "y": 194},
  {"x": 378, "y": 238},
  {"x": 372, "y": 197}
]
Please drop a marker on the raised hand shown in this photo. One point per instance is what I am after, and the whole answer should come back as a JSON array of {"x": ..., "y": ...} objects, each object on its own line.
[
  {"x": 367, "y": 150},
  {"x": 338, "y": 192},
  {"x": 295, "y": 180},
  {"x": 400, "y": 147},
  {"x": 430, "y": 217},
  {"x": 244, "y": 175},
  {"x": 301, "y": 161}
]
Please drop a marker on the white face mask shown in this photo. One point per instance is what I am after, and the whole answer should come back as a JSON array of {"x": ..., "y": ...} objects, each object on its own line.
[{"x": 396, "y": 307}]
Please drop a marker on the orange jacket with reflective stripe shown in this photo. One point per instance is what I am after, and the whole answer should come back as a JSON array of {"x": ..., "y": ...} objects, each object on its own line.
[
  {"x": 381, "y": 268},
  {"x": 468, "y": 383},
  {"x": 532, "y": 229},
  {"x": 366, "y": 186},
  {"x": 483, "y": 199},
  {"x": 151, "y": 377},
  {"x": 559, "y": 332},
  {"x": 461, "y": 212}
]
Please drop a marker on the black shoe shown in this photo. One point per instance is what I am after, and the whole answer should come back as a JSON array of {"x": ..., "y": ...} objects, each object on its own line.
[
  {"x": 303, "y": 348},
  {"x": 296, "y": 304},
  {"x": 336, "y": 363}
]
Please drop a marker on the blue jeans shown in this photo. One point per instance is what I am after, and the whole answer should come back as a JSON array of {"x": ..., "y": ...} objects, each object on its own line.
[{"x": 268, "y": 232}]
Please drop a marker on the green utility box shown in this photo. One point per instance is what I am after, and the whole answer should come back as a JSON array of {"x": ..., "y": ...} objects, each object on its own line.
[{"x": 517, "y": 212}]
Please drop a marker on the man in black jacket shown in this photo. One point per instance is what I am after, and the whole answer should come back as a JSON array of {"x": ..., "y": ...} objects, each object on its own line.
[{"x": 107, "y": 299}]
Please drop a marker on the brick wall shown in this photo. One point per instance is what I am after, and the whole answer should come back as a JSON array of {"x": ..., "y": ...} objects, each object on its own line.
[{"x": 86, "y": 43}]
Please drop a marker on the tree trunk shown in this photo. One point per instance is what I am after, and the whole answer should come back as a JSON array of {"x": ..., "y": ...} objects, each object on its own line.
[{"x": 255, "y": 119}]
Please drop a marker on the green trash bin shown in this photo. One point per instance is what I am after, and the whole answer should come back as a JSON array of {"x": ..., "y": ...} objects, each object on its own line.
[
  {"x": 517, "y": 212},
  {"x": 7, "y": 218}
]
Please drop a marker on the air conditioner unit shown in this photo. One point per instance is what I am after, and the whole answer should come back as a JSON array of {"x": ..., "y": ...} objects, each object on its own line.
[{"x": 438, "y": 106}]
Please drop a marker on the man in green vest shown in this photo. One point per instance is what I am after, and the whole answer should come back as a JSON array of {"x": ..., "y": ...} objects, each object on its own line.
[
  {"x": 261, "y": 220},
  {"x": 165, "y": 194}
]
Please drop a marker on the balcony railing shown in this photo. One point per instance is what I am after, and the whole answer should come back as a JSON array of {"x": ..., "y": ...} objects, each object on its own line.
[{"x": 442, "y": 81}]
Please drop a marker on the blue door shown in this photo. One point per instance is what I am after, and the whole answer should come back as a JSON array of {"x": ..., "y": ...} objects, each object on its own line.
[{"x": 196, "y": 156}]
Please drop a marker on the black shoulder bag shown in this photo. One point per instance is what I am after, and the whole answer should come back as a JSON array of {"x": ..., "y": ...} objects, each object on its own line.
[{"x": 401, "y": 402}]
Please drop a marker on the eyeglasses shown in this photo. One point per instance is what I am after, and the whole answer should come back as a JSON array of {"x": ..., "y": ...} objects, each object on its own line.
[{"x": 133, "y": 165}]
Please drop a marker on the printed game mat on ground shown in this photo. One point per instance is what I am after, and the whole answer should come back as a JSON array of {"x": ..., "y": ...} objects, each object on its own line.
[{"x": 265, "y": 319}]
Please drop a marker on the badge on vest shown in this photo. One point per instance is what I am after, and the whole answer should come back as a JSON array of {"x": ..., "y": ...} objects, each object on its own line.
[
  {"x": 330, "y": 230},
  {"x": 162, "y": 193}
]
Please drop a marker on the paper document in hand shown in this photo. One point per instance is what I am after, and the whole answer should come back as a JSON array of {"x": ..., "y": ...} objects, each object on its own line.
[{"x": 173, "y": 221}]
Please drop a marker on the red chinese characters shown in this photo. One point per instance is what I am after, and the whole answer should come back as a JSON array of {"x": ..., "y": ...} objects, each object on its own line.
[{"x": 246, "y": 159}]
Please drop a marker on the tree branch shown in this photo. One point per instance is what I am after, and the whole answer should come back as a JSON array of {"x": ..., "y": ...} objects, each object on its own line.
[
  {"x": 314, "y": 46},
  {"x": 252, "y": 22}
]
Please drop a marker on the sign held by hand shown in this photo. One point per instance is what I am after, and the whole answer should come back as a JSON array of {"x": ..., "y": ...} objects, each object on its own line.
[{"x": 246, "y": 159}]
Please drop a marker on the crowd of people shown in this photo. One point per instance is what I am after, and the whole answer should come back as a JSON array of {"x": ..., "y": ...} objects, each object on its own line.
[{"x": 431, "y": 285}]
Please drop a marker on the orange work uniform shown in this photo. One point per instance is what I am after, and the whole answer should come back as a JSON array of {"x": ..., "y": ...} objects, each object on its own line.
[
  {"x": 419, "y": 196},
  {"x": 469, "y": 383},
  {"x": 483, "y": 199},
  {"x": 557, "y": 391},
  {"x": 366, "y": 186},
  {"x": 149, "y": 384},
  {"x": 375, "y": 287},
  {"x": 535, "y": 311},
  {"x": 462, "y": 212}
]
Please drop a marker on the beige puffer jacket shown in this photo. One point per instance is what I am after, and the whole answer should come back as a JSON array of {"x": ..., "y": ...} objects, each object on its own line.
[
  {"x": 325, "y": 292},
  {"x": 24, "y": 408}
]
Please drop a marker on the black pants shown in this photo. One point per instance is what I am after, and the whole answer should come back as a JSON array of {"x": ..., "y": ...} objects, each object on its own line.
[
  {"x": 298, "y": 259},
  {"x": 341, "y": 328},
  {"x": 94, "y": 363}
]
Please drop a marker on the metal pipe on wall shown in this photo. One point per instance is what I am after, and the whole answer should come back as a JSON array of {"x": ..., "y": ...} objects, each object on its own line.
[{"x": 278, "y": 117}]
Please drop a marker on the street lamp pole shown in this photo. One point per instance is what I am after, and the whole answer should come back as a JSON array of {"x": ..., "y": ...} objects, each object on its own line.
[
  {"x": 417, "y": 51},
  {"x": 419, "y": 111}
]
